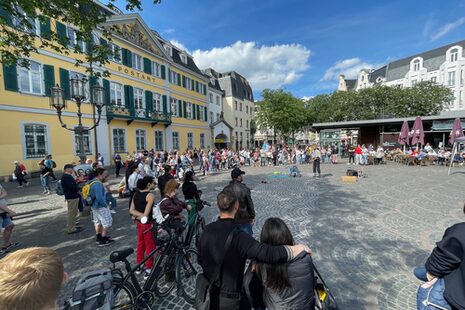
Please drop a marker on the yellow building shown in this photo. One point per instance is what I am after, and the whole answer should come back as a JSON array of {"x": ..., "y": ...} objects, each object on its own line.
[{"x": 155, "y": 99}]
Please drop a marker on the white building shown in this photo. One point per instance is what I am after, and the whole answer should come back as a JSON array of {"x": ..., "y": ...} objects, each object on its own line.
[
  {"x": 444, "y": 65},
  {"x": 214, "y": 102}
]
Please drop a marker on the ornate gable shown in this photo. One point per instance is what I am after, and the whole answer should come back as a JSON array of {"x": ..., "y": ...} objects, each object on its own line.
[{"x": 136, "y": 35}]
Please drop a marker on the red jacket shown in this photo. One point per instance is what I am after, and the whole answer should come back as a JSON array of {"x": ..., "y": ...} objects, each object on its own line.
[{"x": 358, "y": 150}]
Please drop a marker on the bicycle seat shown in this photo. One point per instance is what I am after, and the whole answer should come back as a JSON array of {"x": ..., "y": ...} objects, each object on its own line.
[{"x": 119, "y": 256}]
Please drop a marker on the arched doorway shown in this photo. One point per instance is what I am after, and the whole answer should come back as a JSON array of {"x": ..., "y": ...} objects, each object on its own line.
[{"x": 221, "y": 141}]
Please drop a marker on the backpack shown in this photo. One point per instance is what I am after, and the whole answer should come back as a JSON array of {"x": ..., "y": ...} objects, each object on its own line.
[
  {"x": 352, "y": 173},
  {"x": 156, "y": 212},
  {"x": 59, "y": 189},
  {"x": 88, "y": 200},
  {"x": 93, "y": 291},
  {"x": 54, "y": 164}
]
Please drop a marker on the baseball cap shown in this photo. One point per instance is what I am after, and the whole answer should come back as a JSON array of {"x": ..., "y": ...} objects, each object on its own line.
[
  {"x": 236, "y": 172},
  {"x": 68, "y": 166}
]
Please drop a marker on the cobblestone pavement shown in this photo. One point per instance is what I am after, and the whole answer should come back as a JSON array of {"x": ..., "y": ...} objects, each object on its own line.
[{"x": 366, "y": 237}]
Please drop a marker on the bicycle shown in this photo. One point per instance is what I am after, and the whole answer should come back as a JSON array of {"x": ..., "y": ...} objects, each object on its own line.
[
  {"x": 173, "y": 257},
  {"x": 195, "y": 230}
]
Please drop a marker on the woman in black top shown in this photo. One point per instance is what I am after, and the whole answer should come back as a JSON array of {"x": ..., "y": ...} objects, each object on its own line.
[
  {"x": 191, "y": 194},
  {"x": 141, "y": 210}
]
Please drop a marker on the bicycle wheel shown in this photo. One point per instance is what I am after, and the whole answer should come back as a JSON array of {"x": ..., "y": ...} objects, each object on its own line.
[
  {"x": 165, "y": 280},
  {"x": 200, "y": 226},
  {"x": 125, "y": 295},
  {"x": 187, "y": 268}
]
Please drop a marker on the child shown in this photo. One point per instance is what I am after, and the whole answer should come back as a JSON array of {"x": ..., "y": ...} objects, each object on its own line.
[{"x": 6, "y": 215}]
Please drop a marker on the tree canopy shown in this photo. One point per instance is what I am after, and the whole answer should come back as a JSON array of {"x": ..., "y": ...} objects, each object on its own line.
[{"x": 18, "y": 25}]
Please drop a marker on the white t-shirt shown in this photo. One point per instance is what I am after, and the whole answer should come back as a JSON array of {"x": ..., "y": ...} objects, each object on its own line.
[
  {"x": 2, "y": 200},
  {"x": 132, "y": 180}
]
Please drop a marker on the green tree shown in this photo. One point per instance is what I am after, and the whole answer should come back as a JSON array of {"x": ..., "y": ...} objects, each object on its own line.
[{"x": 18, "y": 37}]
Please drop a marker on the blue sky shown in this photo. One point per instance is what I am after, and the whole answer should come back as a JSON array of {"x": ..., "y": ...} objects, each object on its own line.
[{"x": 303, "y": 45}]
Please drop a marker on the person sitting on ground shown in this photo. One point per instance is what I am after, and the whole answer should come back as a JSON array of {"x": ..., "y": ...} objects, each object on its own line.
[
  {"x": 31, "y": 279},
  {"x": 287, "y": 285},
  {"x": 100, "y": 211},
  {"x": 171, "y": 205},
  {"x": 228, "y": 293},
  {"x": 141, "y": 210},
  {"x": 163, "y": 179},
  {"x": 6, "y": 215}
]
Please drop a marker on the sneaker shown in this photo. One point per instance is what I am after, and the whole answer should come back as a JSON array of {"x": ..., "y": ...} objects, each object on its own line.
[
  {"x": 78, "y": 229},
  {"x": 27, "y": 184},
  {"x": 112, "y": 211},
  {"x": 146, "y": 275},
  {"x": 105, "y": 241}
]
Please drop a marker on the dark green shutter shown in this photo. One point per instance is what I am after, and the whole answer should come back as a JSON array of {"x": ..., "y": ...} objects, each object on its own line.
[
  {"x": 129, "y": 97},
  {"x": 169, "y": 75},
  {"x": 103, "y": 41},
  {"x": 147, "y": 66},
  {"x": 196, "y": 86},
  {"x": 184, "y": 110},
  {"x": 179, "y": 79},
  {"x": 127, "y": 57},
  {"x": 194, "y": 111},
  {"x": 149, "y": 100},
  {"x": 180, "y": 108},
  {"x": 165, "y": 104},
  {"x": 49, "y": 78},
  {"x": 61, "y": 32},
  {"x": 10, "y": 77},
  {"x": 106, "y": 87},
  {"x": 183, "y": 81},
  {"x": 205, "y": 113},
  {"x": 198, "y": 112},
  {"x": 163, "y": 72},
  {"x": 204, "y": 89},
  {"x": 92, "y": 81},
  {"x": 64, "y": 82},
  {"x": 6, "y": 16},
  {"x": 45, "y": 30},
  {"x": 192, "y": 85}
]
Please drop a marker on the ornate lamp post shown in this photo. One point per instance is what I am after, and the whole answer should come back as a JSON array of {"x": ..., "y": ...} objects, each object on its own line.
[{"x": 78, "y": 93}]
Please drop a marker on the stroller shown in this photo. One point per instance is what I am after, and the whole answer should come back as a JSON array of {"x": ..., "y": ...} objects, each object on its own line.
[{"x": 324, "y": 299}]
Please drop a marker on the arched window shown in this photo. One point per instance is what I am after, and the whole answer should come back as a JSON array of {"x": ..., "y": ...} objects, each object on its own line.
[
  {"x": 416, "y": 65},
  {"x": 454, "y": 55}
]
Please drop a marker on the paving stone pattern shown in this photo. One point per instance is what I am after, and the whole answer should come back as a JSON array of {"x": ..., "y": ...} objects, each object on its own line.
[{"x": 366, "y": 237}]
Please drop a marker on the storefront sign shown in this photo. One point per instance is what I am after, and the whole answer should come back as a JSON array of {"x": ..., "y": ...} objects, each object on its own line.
[{"x": 137, "y": 74}]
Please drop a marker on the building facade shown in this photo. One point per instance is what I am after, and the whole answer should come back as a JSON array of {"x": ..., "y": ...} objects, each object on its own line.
[
  {"x": 444, "y": 65},
  {"x": 214, "y": 103},
  {"x": 156, "y": 98}
]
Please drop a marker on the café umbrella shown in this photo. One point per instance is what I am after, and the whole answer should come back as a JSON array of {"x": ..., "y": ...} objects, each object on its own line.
[
  {"x": 456, "y": 132},
  {"x": 404, "y": 135},
  {"x": 418, "y": 135}
]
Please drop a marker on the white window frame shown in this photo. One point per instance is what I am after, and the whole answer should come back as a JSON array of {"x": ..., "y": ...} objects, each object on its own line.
[
  {"x": 190, "y": 114},
  {"x": 183, "y": 58},
  {"x": 156, "y": 69},
  {"x": 157, "y": 105},
  {"x": 73, "y": 39},
  {"x": 174, "y": 77},
  {"x": 175, "y": 140},
  {"x": 202, "y": 113},
  {"x": 433, "y": 79},
  {"x": 454, "y": 55},
  {"x": 116, "y": 53},
  {"x": 141, "y": 139},
  {"x": 190, "y": 140},
  {"x": 416, "y": 65},
  {"x": 31, "y": 76},
  {"x": 35, "y": 23},
  {"x": 189, "y": 83},
  {"x": 211, "y": 117},
  {"x": 202, "y": 140},
  {"x": 210, "y": 98},
  {"x": 451, "y": 78},
  {"x": 115, "y": 91},
  {"x": 46, "y": 140},
  {"x": 174, "y": 106},
  {"x": 137, "y": 62},
  {"x": 124, "y": 140},
  {"x": 217, "y": 100},
  {"x": 414, "y": 82},
  {"x": 168, "y": 49},
  {"x": 139, "y": 102},
  {"x": 158, "y": 134}
]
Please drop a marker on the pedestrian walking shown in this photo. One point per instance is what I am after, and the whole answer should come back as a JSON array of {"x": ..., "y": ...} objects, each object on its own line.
[
  {"x": 45, "y": 178},
  {"x": 100, "y": 211},
  {"x": 6, "y": 217},
  {"x": 50, "y": 164},
  {"x": 316, "y": 157},
  {"x": 72, "y": 197},
  {"x": 20, "y": 173},
  {"x": 163, "y": 179},
  {"x": 117, "y": 160}
]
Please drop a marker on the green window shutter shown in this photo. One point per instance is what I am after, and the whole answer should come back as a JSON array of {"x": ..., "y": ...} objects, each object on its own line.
[
  {"x": 106, "y": 87},
  {"x": 198, "y": 112},
  {"x": 149, "y": 100},
  {"x": 49, "y": 78},
  {"x": 45, "y": 30},
  {"x": 92, "y": 81},
  {"x": 165, "y": 104},
  {"x": 192, "y": 86},
  {"x": 183, "y": 81},
  {"x": 180, "y": 108},
  {"x": 127, "y": 57},
  {"x": 163, "y": 72},
  {"x": 6, "y": 16},
  {"x": 147, "y": 66},
  {"x": 196, "y": 86},
  {"x": 204, "y": 89},
  {"x": 194, "y": 111},
  {"x": 169, "y": 75},
  {"x": 129, "y": 97},
  {"x": 179, "y": 79},
  {"x": 61, "y": 32},
  {"x": 184, "y": 110},
  {"x": 64, "y": 82},
  {"x": 10, "y": 77},
  {"x": 205, "y": 113}
]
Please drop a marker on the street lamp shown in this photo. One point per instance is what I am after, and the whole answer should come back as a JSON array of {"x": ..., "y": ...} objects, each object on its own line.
[{"x": 78, "y": 93}]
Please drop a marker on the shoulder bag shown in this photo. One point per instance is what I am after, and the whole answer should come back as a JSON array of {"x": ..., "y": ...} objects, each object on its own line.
[{"x": 203, "y": 286}]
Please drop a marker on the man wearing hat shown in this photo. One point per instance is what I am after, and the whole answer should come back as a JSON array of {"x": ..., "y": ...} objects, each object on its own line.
[
  {"x": 245, "y": 216},
  {"x": 72, "y": 196}
]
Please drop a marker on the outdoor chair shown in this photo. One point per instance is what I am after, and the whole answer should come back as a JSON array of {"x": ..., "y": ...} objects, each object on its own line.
[{"x": 411, "y": 161}]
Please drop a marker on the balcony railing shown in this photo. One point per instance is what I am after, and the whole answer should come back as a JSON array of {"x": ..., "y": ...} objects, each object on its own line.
[{"x": 131, "y": 114}]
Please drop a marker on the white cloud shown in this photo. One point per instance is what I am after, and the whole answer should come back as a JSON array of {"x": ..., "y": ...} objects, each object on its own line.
[
  {"x": 349, "y": 67},
  {"x": 169, "y": 31},
  {"x": 447, "y": 28},
  {"x": 263, "y": 66},
  {"x": 179, "y": 45},
  {"x": 305, "y": 98}
]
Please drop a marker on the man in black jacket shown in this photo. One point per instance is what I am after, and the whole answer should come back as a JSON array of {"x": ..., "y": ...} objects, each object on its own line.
[
  {"x": 72, "y": 196},
  {"x": 227, "y": 293},
  {"x": 245, "y": 216},
  {"x": 448, "y": 261},
  {"x": 163, "y": 179}
]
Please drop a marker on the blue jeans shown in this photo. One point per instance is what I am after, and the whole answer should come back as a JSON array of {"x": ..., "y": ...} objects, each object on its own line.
[
  {"x": 110, "y": 200},
  {"x": 436, "y": 292},
  {"x": 44, "y": 181},
  {"x": 246, "y": 228}
]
